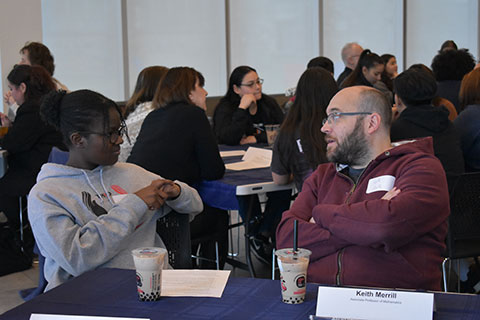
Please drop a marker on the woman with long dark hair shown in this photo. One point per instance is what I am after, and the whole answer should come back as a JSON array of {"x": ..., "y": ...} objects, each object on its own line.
[
  {"x": 390, "y": 71},
  {"x": 300, "y": 145},
  {"x": 241, "y": 115}
]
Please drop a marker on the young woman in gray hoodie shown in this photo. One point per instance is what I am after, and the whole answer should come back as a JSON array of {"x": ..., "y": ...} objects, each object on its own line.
[{"x": 93, "y": 211}]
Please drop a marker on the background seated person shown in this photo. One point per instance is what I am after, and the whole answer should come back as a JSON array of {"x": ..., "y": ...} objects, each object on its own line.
[
  {"x": 377, "y": 215},
  {"x": 240, "y": 118},
  {"x": 93, "y": 211},
  {"x": 300, "y": 147},
  {"x": 177, "y": 142},
  {"x": 33, "y": 54},
  {"x": 468, "y": 121},
  {"x": 140, "y": 105},
  {"x": 449, "y": 67},
  {"x": 29, "y": 139},
  {"x": 414, "y": 90},
  {"x": 350, "y": 54},
  {"x": 241, "y": 115}
]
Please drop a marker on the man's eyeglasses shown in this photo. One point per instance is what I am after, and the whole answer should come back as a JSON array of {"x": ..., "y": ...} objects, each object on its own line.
[
  {"x": 113, "y": 136},
  {"x": 334, "y": 116},
  {"x": 251, "y": 84}
]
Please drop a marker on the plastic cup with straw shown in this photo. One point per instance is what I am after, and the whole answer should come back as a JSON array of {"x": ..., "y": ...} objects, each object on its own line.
[{"x": 293, "y": 265}]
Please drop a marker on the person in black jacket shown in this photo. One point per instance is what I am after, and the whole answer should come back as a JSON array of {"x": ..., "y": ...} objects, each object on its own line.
[
  {"x": 241, "y": 115},
  {"x": 240, "y": 118},
  {"x": 29, "y": 139},
  {"x": 350, "y": 55},
  {"x": 414, "y": 90},
  {"x": 449, "y": 67},
  {"x": 177, "y": 142}
]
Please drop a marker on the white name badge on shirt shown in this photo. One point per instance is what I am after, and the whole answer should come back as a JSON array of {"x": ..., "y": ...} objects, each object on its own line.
[
  {"x": 382, "y": 183},
  {"x": 359, "y": 303}
]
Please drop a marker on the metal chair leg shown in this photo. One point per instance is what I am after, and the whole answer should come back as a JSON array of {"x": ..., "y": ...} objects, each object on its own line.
[
  {"x": 458, "y": 276},
  {"x": 217, "y": 259},
  {"x": 21, "y": 221},
  {"x": 232, "y": 252}
]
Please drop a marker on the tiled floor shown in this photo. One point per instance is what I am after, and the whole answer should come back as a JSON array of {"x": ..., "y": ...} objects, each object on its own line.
[{"x": 11, "y": 284}]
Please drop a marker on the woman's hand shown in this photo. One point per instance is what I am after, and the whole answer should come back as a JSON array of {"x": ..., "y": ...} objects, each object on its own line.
[
  {"x": 248, "y": 140},
  {"x": 247, "y": 101},
  {"x": 8, "y": 98},
  {"x": 157, "y": 192},
  {"x": 171, "y": 189}
]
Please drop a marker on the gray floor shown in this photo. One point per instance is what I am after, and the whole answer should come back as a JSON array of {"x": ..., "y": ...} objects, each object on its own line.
[{"x": 11, "y": 284}]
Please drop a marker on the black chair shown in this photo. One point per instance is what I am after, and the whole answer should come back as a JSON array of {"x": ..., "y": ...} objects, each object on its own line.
[
  {"x": 174, "y": 229},
  {"x": 463, "y": 240}
]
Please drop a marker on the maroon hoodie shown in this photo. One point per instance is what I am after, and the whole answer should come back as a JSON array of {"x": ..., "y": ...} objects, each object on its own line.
[{"x": 361, "y": 240}]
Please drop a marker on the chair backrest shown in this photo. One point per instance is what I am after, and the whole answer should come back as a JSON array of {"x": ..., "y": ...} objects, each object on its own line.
[
  {"x": 464, "y": 221},
  {"x": 174, "y": 229},
  {"x": 58, "y": 156}
]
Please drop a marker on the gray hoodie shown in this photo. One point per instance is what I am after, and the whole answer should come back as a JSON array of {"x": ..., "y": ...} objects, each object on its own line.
[{"x": 85, "y": 219}]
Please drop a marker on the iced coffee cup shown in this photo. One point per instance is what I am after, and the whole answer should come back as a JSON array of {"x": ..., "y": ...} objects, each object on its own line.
[
  {"x": 293, "y": 274},
  {"x": 272, "y": 131},
  {"x": 149, "y": 264}
]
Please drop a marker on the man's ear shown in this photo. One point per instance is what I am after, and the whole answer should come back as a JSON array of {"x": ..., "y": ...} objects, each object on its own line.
[
  {"x": 374, "y": 123},
  {"x": 78, "y": 141}
]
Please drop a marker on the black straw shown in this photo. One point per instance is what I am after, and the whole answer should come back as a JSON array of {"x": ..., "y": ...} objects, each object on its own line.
[{"x": 295, "y": 236}]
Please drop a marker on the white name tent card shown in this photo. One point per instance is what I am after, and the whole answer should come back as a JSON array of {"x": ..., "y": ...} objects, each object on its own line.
[
  {"x": 372, "y": 304},
  {"x": 39, "y": 316},
  {"x": 254, "y": 158}
]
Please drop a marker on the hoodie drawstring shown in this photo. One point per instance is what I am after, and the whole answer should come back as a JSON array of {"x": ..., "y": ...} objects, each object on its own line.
[
  {"x": 105, "y": 189},
  {"x": 103, "y": 186}
]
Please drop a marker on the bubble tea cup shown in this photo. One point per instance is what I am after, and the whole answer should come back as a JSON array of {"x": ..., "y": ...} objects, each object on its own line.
[
  {"x": 149, "y": 264},
  {"x": 293, "y": 267}
]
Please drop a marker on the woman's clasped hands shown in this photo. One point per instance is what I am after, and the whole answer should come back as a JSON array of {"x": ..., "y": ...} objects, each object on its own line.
[{"x": 158, "y": 192}]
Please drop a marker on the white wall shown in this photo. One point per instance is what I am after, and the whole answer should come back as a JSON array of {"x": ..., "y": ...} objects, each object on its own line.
[
  {"x": 277, "y": 37},
  {"x": 20, "y": 21},
  {"x": 85, "y": 38},
  {"x": 374, "y": 24},
  {"x": 178, "y": 33},
  {"x": 431, "y": 22}
]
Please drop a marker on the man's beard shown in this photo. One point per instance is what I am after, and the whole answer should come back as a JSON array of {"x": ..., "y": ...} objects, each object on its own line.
[{"x": 353, "y": 150}]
